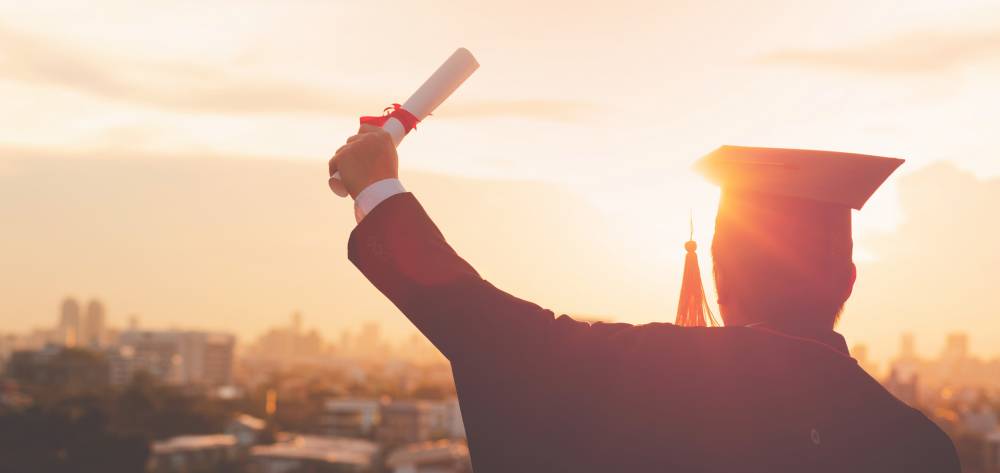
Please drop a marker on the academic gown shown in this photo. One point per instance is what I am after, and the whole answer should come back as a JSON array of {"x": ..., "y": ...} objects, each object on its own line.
[{"x": 541, "y": 393}]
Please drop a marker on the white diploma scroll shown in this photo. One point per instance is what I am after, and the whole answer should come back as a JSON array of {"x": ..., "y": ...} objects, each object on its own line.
[{"x": 422, "y": 103}]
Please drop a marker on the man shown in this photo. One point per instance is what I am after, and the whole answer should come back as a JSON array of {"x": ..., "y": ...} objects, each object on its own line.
[{"x": 774, "y": 390}]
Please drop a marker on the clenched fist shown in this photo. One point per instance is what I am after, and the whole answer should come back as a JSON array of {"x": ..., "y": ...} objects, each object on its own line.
[{"x": 368, "y": 157}]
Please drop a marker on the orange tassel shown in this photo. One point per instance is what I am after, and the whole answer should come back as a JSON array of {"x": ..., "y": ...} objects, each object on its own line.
[{"x": 693, "y": 309}]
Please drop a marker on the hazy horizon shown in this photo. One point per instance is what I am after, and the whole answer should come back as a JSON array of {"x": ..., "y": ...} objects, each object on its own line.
[{"x": 240, "y": 244}]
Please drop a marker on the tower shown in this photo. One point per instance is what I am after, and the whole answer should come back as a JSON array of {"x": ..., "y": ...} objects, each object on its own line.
[
  {"x": 907, "y": 347},
  {"x": 92, "y": 328},
  {"x": 69, "y": 323}
]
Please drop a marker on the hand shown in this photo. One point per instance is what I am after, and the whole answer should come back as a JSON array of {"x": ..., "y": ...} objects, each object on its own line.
[{"x": 368, "y": 157}]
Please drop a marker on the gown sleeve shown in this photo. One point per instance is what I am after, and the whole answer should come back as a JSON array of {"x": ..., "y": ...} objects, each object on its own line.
[{"x": 404, "y": 255}]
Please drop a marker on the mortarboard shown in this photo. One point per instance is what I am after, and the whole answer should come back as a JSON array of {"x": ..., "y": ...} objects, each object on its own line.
[
  {"x": 843, "y": 179},
  {"x": 785, "y": 209}
]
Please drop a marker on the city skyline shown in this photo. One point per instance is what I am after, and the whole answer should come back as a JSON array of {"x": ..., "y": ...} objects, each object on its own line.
[
  {"x": 360, "y": 391},
  {"x": 274, "y": 341}
]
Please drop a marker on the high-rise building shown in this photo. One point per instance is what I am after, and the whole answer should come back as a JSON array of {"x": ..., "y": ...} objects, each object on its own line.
[
  {"x": 69, "y": 323},
  {"x": 92, "y": 330},
  {"x": 956, "y": 347},
  {"x": 860, "y": 353},
  {"x": 207, "y": 358},
  {"x": 907, "y": 347},
  {"x": 175, "y": 357}
]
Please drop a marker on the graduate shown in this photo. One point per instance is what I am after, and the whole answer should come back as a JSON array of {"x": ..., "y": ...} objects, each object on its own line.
[{"x": 773, "y": 390}]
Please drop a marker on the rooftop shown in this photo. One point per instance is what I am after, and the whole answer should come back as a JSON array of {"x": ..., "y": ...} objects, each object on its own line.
[
  {"x": 333, "y": 450},
  {"x": 250, "y": 422},
  {"x": 428, "y": 452},
  {"x": 192, "y": 442}
]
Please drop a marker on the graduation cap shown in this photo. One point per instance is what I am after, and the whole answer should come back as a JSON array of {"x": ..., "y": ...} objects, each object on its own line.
[{"x": 787, "y": 210}]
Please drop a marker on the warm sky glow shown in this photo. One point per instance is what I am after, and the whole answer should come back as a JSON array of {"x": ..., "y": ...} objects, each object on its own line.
[{"x": 611, "y": 102}]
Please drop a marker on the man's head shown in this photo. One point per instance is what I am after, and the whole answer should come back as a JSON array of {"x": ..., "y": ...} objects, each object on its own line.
[
  {"x": 782, "y": 247},
  {"x": 782, "y": 261}
]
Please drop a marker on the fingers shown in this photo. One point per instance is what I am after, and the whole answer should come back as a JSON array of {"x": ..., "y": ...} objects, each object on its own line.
[
  {"x": 365, "y": 131},
  {"x": 367, "y": 128},
  {"x": 336, "y": 157},
  {"x": 333, "y": 165},
  {"x": 367, "y": 135},
  {"x": 341, "y": 150}
]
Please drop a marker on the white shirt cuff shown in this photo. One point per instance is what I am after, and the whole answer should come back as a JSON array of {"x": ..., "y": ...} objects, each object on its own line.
[{"x": 375, "y": 194}]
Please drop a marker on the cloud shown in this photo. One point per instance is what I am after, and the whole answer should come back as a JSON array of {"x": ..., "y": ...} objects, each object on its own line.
[
  {"x": 918, "y": 52},
  {"x": 937, "y": 271},
  {"x": 186, "y": 87}
]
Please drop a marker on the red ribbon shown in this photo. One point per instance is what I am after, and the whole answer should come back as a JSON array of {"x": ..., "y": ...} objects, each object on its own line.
[{"x": 396, "y": 111}]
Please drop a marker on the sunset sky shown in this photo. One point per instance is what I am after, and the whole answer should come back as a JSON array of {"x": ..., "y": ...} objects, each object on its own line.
[{"x": 583, "y": 121}]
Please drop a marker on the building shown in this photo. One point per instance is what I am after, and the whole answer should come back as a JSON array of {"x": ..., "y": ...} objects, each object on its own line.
[
  {"x": 442, "y": 456},
  {"x": 907, "y": 347},
  {"x": 955, "y": 374},
  {"x": 860, "y": 353},
  {"x": 367, "y": 344},
  {"x": 8, "y": 343},
  {"x": 300, "y": 453},
  {"x": 403, "y": 422},
  {"x": 11, "y": 396},
  {"x": 247, "y": 430},
  {"x": 69, "y": 323},
  {"x": 288, "y": 343},
  {"x": 980, "y": 420},
  {"x": 174, "y": 357},
  {"x": 956, "y": 348},
  {"x": 350, "y": 417},
  {"x": 92, "y": 326},
  {"x": 445, "y": 419},
  {"x": 904, "y": 384},
  {"x": 991, "y": 460},
  {"x": 65, "y": 367},
  {"x": 154, "y": 353},
  {"x": 191, "y": 453}
]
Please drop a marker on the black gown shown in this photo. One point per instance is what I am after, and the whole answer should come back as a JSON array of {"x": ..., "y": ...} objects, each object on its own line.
[{"x": 541, "y": 393}]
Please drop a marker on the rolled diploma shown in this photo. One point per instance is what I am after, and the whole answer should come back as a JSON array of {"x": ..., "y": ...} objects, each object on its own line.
[{"x": 426, "y": 99}]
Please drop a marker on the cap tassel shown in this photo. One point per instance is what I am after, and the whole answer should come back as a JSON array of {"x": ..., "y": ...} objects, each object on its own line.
[{"x": 692, "y": 309}]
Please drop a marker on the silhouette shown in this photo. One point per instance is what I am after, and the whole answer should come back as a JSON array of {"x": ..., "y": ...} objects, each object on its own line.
[{"x": 773, "y": 390}]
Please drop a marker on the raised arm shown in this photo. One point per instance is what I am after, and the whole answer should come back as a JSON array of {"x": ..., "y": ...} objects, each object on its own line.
[
  {"x": 401, "y": 251},
  {"x": 403, "y": 254}
]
